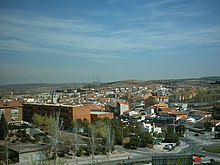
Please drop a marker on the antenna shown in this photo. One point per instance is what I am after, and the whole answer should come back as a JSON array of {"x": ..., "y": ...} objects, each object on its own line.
[{"x": 97, "y": 79}]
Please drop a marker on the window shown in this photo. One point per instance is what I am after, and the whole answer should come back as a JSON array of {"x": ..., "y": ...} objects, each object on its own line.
[
  {"x": 14, "y": 114},
  {"x": 14, "y": 111},
  {"x": 2, "y": 111}
]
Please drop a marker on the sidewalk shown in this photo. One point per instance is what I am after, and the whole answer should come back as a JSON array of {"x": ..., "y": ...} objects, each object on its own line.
[
  {"x": 99, "y": 158},
  {"x": 26, "y": 159},
  {"x": 118, "y": 155}
]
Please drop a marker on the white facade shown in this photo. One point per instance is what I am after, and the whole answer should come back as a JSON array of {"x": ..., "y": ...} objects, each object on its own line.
[
  {"x": 152, "y": 128},
  {"x": 129, "y": 113},
  {"x": 149, "y": 110},
  {"x": 30, "y": 100},
  {"x": 123, "y": 107}
]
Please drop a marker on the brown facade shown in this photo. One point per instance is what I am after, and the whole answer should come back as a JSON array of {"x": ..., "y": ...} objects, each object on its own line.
[
  {"x": 81, "y": 112},
  {"x": 12, "y": 111},
  {"x": 102, "y": 115},
  {"x": 67, "y": 113}
]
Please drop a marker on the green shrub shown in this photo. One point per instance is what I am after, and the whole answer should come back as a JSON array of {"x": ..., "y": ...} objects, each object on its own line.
[
  {"x": 10, "y": 134},
  {"x": 215, "y": 149},
  {"x": 79, "y": 152},
  {"x": 36, "y": 137},
  {"x": 87, "y": 151},
  {"x": 19, "y": 133}
]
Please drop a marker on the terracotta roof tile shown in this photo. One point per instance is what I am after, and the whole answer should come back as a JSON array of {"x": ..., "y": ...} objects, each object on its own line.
[
  {"x": 122, "y": 102},
  {"x": 13, "y": 103},
  {"x": 183, "y": 118}
]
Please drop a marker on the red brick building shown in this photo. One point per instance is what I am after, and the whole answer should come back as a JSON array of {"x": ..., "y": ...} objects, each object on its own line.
[
  {"x": 99, "y": 114},
  {"x": 67, "y": 113},
  {"x": 12, "y": 110}
]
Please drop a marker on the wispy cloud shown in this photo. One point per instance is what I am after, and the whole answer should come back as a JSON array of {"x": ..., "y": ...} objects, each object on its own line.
[
  {"x": 22, "y": 31},
  {"x": 84, "y": 36},
  {"x": 50, "y": 35},
  {"x": 182, "y": 10}
]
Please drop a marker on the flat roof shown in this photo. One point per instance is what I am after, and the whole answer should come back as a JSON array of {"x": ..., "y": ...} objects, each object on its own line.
[
  {"x": 99, "y": 112},
  {"x": 57, "y": 105}
]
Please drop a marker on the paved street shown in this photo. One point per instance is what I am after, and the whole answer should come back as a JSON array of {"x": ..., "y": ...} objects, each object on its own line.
[
  {"x": 190, "y": 145},
  {"x": 196, "y": 143}
]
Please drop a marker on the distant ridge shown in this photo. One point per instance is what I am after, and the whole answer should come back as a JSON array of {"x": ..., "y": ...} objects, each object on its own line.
[
  {"x": 114, "y": 83},
  {"x": 30, "y": 85},
  {"x": 215, "y": 78},
  {"x": 160, "y": 81},
  {"x": 125, "y": 81}
]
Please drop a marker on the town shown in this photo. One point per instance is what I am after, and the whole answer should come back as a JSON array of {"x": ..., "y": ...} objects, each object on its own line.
[{"x": 113, "y": 123}]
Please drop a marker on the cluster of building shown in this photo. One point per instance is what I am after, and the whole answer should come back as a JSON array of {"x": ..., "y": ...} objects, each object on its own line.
[{"x": 129, "y": 104}]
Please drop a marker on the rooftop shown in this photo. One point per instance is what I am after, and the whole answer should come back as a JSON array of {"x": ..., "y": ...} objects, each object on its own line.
[
  {"x": 99, "y": 113},
  {"x": 10, "y": 103}
]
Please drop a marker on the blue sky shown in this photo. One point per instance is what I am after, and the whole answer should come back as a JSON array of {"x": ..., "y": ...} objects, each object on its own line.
[{"x": 76, "y": 40}]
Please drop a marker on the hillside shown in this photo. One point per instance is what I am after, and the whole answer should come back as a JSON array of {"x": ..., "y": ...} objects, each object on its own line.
[{"x": 36, "y": 88}]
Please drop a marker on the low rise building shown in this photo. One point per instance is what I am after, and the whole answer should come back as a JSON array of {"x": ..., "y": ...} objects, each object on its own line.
[
  {"x": 151, "y": 128},
  {"x": 199, "y": 114},
  {"x": 121, "y": 107},
  {"x": 68, "y": 113},
  {"x": 99, "y": 114},
  {"x": 172, "y": 115},
  {"x": 12, "y": 110}
]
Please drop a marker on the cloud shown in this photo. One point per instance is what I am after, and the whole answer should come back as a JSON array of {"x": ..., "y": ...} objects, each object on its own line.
[
  {"x": 52, "y": 35},
  {"x": 22, "y": 31}
]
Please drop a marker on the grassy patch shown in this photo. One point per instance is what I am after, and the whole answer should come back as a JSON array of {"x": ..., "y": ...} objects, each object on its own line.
[{"x": 215, "y": 149}]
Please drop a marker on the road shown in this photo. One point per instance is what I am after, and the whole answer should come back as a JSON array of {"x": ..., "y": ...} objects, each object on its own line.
[
  {"x": 196, "y": 143},
  {"x": 189, "y": 145}
]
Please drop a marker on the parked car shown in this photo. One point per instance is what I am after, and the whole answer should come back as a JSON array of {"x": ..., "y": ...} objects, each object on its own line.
[
  {"x": 196, "y": 134},
  {"x": 168, "y": 147}
]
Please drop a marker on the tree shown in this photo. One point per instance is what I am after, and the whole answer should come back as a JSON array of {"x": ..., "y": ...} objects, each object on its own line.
[
  {"x": 42, "y": 121},
  {"x": 208, "y": 125},
  {"x": 100, "y": 127},
  {"x": 3, "y": 127},
  {"x": 146, "y": 139},
  {"x": 109, "y": 139},
  {"x": 83, "y": 126},
  {"x": 93, "y": 140},
  {"x": 180, "y": 129},
  {"x": 119, "y": 130},
  {"x": 133, "y": 143},
  {"x": 58, "y": 144},
  {"x": 76, "y": 137},
  {"x": 151, "y": 101},
  {"x": 171, "y": 136}
]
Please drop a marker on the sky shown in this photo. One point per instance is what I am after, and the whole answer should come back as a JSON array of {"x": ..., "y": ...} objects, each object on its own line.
[{"x": 51, "y": 41}]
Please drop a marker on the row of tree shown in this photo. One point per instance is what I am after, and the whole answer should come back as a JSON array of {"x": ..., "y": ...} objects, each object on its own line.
[
  {"x": 209, "y": 95},
  {"x": 101, "y": 135}
]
